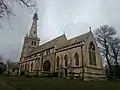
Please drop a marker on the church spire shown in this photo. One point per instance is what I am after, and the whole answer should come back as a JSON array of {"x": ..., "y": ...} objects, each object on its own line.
[
  {"x": 26, "y": 35},
  {"x": 35, "y": 17},
  {"x": 33, "y": 31}
]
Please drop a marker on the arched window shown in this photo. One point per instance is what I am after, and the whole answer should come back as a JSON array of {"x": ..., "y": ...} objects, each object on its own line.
[
  {"x": 32, "y": 66},
  {"x": 76, "y": 59},
  {"x": 58, "y": 60},
  {"x": 38, "y": 63},
  {"x": 66, "y": 60},
  {"x": 26, "y": 67},
  {"x": 22, "y": 67},
  {"x": 34, "y": 31},
  {"x": 92, "y": 55},
  {"x": 34, "y": 43}
]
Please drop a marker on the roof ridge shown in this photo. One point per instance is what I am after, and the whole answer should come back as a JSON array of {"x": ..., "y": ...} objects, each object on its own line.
[
  {"x": 52, "y": 39},
  {"x": 79, "y": 35}
]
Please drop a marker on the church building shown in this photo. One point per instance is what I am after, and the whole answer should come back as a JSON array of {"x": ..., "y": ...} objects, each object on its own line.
[{"x": 79, "y": 55}]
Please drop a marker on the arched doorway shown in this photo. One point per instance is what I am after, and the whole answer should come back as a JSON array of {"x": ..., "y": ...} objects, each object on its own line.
[{"x": 46, "y": 66}]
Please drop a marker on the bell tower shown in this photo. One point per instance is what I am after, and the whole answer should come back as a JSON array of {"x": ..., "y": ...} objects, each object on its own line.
[{"x": 31, "y": 40}]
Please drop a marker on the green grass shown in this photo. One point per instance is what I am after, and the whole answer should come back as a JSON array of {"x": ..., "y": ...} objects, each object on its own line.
[{"x": 23, "y": 83}]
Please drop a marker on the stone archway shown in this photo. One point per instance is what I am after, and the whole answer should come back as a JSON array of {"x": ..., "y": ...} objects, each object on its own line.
[{"x": 46, "y": 66}]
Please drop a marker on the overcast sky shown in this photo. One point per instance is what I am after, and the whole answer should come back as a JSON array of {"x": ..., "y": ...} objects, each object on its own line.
[{"x": 55, "y": 16}]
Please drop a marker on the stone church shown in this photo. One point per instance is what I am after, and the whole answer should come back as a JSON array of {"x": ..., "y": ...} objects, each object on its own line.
[{"x": 79, "y": 55}]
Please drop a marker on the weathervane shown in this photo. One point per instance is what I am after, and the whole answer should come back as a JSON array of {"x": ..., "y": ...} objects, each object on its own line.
[
  {"x": 36, "y": 10},
  {"x": 63, "y": 32},
  {"x": 90, "y": 28}
]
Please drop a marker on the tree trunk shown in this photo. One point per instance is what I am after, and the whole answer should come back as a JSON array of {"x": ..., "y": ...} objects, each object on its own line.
[
  {"x": 117, "y": 71},
  {"x": 110, "y": 68},
  {"x": 106, "y": 55}
]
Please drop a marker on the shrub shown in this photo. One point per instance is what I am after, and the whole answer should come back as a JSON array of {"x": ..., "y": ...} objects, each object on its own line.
[{"x": 55, "y": 74}]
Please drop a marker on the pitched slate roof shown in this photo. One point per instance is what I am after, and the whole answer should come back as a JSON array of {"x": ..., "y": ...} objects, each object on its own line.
[
  {"x": 79, "y": 38},
  {"x": 50, "y": 44},
  {"x": 74, "y": 40},
  {"x": 60, "y": 42}
]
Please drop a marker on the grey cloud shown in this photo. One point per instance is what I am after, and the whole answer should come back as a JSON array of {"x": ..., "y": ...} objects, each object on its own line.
[{"x": 55, "y": 16}]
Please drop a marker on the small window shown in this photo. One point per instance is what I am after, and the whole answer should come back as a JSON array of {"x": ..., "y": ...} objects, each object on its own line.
[
  {"x": 34, "y": 31},
  {"x": 32, "y": 43},
  {"x": 47, "y": 52},
  {"x": 35, "y": 55}
]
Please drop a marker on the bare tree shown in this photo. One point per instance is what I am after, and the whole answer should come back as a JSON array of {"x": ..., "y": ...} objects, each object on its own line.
[
  {"x": 115, "y": 52},
  {"x": 6, "y": 9},
  {"x": 104, "y": 35}
]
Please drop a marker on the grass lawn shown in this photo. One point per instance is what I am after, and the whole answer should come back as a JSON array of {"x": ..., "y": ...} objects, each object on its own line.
[{"x": 24, "y": 83}]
